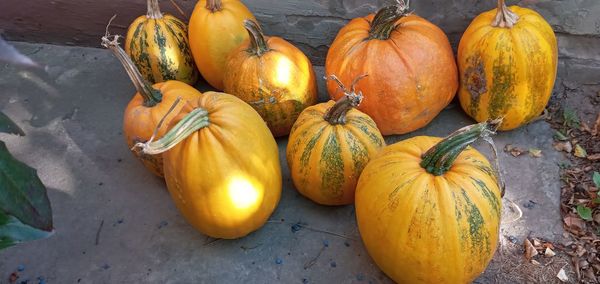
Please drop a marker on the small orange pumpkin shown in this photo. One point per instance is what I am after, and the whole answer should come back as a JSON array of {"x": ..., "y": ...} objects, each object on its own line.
[
  {"x": 148, "y": 106},
  {"x": 411, "y": 67},
  {"x": 221, "y": 166},
  {"x": 329, "y": 146},
  {"x": 273, "y": 76}
]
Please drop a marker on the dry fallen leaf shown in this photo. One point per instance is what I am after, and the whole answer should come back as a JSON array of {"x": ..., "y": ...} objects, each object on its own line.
[
  {"x": 535, "y": 262},
  {"x": 574, "y": 222},
  {"x": 563, "y": 146},
  {"x": 549, "y": 253},
  {"x": 536, "y": 153},
  {"x": 594, "y": 157},
  {"x": 596, "y": 129},
  {"x": 580, "y": 152},
  {"x": 513, "y": 150},
  {"x": 530, "y": 250},
  {"x": 562, "y": 275}
]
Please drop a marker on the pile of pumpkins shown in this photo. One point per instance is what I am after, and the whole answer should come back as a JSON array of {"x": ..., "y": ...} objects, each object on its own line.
[{"x": 428, "y": 209}]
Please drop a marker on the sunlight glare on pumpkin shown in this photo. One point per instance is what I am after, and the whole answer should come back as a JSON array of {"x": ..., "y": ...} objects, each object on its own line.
[
  {"x": 284, "y": 71},
  {"x": 243, "y": 194}
]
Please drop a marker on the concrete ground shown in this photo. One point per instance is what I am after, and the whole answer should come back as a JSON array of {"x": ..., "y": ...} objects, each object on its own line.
[{"x": 115, "y": 222}]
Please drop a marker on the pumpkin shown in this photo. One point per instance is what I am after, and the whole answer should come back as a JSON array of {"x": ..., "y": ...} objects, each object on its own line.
[
  {"x": 273, "y": 76},
  {"x": 329, "y": 146},
  {"x": 428, "y": 210},
  {"x": 508, "y": 60},
  {"x": 148, "y": 106},
  {"x": 216, "y": 28},
  {"x": 158, "y": 46},
  {"x": 222, "y": 166},
  {"x": 411, "y": 67}
]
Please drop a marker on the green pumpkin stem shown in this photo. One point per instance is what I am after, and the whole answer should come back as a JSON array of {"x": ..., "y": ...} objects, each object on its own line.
[
  {"x": 385, "y": 20},
  {"x": 192, "y": 122},
  {"x": 151, "y": 95},
  {"x": 439, "y": 159},
  {"x": 505, "y": 18},
  {"x": 214, "y": 5},
  {"x": 258, "y": 43},
  {"x": 153, "y": 10},
  {"x": 337, "y": 113}
]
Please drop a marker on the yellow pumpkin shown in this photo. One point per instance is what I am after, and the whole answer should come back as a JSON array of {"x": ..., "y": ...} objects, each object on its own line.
[
  {"x": 158, "y": 46},
  {"x": 328, "y": 148},
  {"x": 216, "y": 28},
  {"x": 148, "y": 106},
  {"x": 222, "y": 166},
  {"x": 507, "y": 59},
  {"x": 428, "y": 210},
  {"x": 273, "y": 76}
]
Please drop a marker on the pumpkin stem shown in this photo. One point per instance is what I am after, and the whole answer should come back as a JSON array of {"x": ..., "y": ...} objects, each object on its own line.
[
  {"x": 153, "y": 10},
  {"x": 258, "y": 43},
  {"x": 439, "y": 159},
  {"x": 385, "y": 20},
  {"x": 337, "y": 113},
  {"x": 151, "y": 95},
  {"x": 214, "y": 5},
  {"x": 192, "y": 122},
  {"x": 505, "y": 18}
]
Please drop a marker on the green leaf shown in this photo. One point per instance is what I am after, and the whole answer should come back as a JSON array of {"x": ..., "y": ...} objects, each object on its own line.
[
  {"x": 8, "y": 126},
  {"x": 12, "y": 232},
  {"x": 560, "y": 136},
  {"x": 580, "y": 152},
  {"x": 584, "y": 212},
  {"x": 22, "y": 193},
  {"x": 596, "y": 179},
  {"x": 571, "y": 118}
]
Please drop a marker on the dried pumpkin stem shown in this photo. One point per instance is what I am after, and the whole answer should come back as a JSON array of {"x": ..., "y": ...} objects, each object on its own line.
[
  {"x": 214, "y": 5},
  {"x": 337, "y": 113},
  {"x": 258, "y": 43},
  {"x": 153, "y": 10},
  {"x": 151, "y": 95},
  {"x": 505, "y": 18},
  {"x": 192, "y": 122},
  {"x": 385, "y": 20},
  {"x": 439, "y": 159}
]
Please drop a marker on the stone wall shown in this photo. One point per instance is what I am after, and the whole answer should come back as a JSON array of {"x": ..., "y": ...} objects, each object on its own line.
[{"x": 310, "y": 24}]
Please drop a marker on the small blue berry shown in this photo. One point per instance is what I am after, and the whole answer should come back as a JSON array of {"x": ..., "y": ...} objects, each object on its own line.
[{"x": 278, "y": 260}]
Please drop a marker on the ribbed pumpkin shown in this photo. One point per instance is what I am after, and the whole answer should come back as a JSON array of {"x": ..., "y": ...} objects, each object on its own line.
[
  {"x": 428, "y": 210},
  {"x": 216, "y": 28},
  {"x": 328, "y": 148},
  {"x": 411, "y": 67},
  {"x": 222, "y": 169},
  {"x": 273, "y": 76},
  {"x": 148, "y": 106},
  {"x": 158, "y": 46},
  {"x": 507, "y": 59}
]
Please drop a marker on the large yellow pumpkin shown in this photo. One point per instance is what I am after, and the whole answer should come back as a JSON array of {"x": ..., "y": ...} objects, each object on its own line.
[
  {"x": 148, "y": 106},
  {"x": 216, "y": 28},
  {"x": 158, "y": 45},
  {"x": 507, "y": 60},
  {"x": 273, "y": 76},
  {"x": 411, "y": 67},
  {"x": 328, "y": 148},
  {"x": 428, "y": 210},
  {"x": 222, "y": 169}
]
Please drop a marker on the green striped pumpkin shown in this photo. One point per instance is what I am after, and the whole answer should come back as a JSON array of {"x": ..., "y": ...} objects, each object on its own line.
[
  {"x": 159, "y": 47},
  {"x": 329, "y": 145}
]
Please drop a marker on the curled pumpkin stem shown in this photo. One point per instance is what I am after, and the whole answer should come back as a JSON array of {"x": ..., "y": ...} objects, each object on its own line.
[
  {"x": 439, "y": 159},
  {"x": 505, "y": 18},
  {"x": 385, "y": 20},
  {"x": 337, "y": 113},
  {"x": 258, "y": 42}
]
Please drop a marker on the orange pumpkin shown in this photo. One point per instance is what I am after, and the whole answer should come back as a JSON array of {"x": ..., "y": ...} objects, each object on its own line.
[
  {"x": 411, "y": 67},
  {"x": 428, "y": 209},
  {"x": 222, "y": 166},
  {"x": 329, "y": 146},
  {"x": 148, "y": 106},
  {"x": 215, "y": 29},
  {"x": 273, "y": 76}
]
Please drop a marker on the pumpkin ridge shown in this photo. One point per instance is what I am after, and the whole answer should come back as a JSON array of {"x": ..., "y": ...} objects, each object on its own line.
[
  {"x": 365, "y": 130},
  {"x": 164, "y": 62},
  {"x": 502, "y": 83},
  {"x": 332, "y": 166},
  {"x": 477, "y": 233},
  {"x": 360, "y": 153}
]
